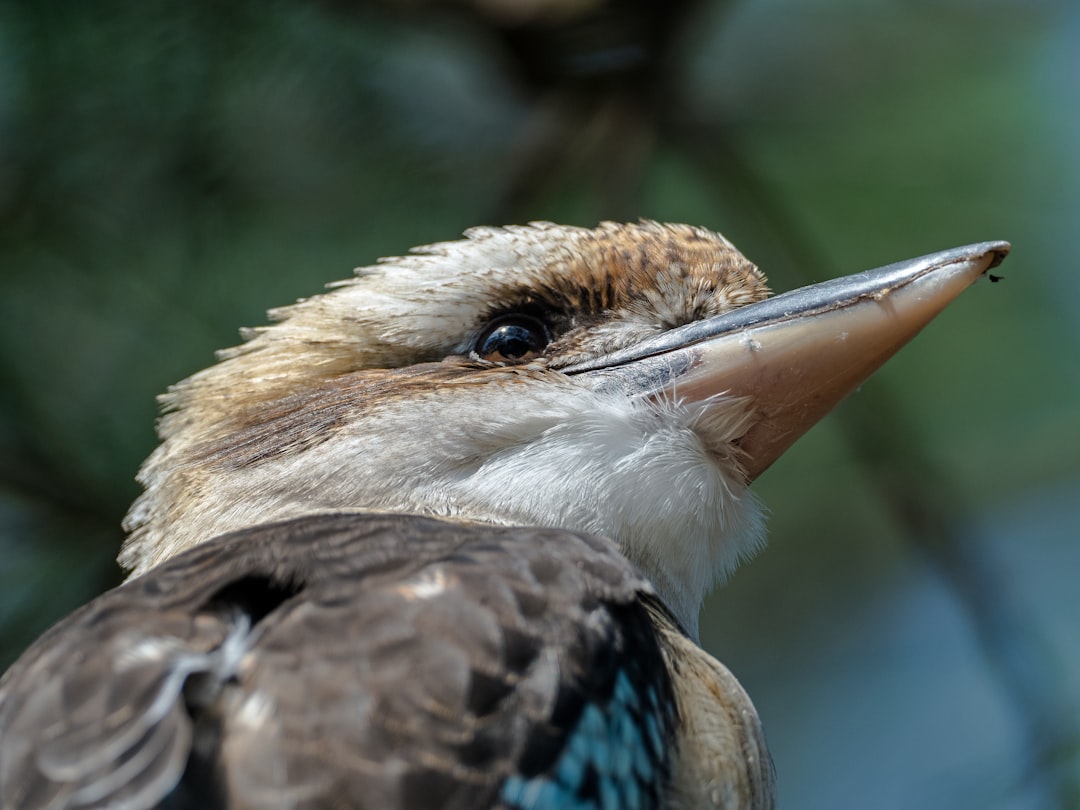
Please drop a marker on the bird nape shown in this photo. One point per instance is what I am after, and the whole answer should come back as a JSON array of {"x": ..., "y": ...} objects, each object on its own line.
[{"x": 439, "y": 537}]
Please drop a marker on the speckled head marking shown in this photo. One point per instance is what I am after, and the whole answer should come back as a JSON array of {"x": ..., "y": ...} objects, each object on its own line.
[{"x": 372, "y": 396}]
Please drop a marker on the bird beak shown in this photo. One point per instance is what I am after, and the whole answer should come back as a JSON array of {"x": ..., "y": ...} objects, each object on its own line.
[{"x": 794, "y": 356}]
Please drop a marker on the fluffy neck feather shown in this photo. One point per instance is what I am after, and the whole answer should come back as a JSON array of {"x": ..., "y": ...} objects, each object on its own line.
[{"x": 544, "y": 454}]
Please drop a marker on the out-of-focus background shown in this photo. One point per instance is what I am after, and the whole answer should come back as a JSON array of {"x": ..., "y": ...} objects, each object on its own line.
[{"x": 170, "y": 171}]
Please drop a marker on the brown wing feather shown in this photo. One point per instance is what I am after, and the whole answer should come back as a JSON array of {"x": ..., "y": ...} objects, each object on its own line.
[{"x": 343, "y": 660}]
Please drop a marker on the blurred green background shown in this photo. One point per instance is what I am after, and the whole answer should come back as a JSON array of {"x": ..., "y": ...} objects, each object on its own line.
[{"x": 169, "y": 171}]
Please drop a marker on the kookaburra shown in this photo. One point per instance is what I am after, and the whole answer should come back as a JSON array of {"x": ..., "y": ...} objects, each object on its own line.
[{"x": 439, "y": 537}]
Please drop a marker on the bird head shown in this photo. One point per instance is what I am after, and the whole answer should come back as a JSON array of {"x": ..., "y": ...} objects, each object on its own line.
[{"x": 629, "y": 381}]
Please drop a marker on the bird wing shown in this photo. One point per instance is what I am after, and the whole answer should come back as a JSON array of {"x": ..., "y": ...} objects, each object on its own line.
[{"x": 361, "y": 661}]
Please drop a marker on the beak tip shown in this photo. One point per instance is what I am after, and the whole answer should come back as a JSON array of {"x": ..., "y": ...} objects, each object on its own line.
[
  {"x": 1000, "y": 251},
  {"x": 958, "y": 267},
  {"x": 993, "y": 253}
]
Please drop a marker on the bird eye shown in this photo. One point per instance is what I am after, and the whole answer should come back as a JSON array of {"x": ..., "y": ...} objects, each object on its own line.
[{"x": 512, "y": 339}]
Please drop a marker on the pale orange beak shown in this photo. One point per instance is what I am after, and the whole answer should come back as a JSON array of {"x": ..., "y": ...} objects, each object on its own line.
[{"x": 795, "y": 356}]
